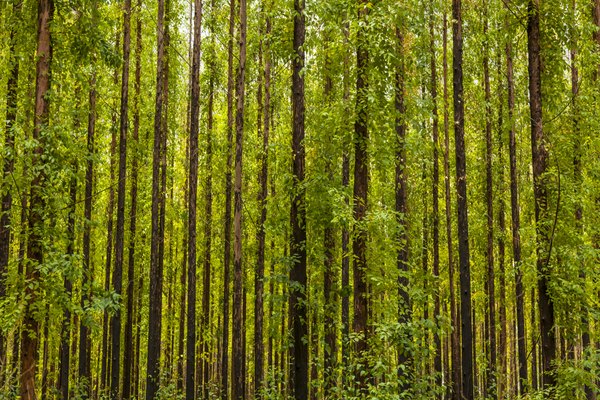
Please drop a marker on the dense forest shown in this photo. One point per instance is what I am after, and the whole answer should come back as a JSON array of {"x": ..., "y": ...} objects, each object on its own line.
[{"x": 322, "y": 199}]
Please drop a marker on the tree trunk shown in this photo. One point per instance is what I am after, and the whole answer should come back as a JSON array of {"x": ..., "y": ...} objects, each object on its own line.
[
  {"x": 65, "y": 335},
  {"x": 502, "y": 382},
  {"x": 190, "y": 372},
  {"x": 238, "y": 361},
  {"x": 228, "y": 188},
  {"x": 516, "y": 224},
  {"x": 131, "y": 277},
  {"x": 264, "y": 117},
  {"x": 461, "y": 203},
  {"x": 29, "y": 339},
  {"x": 490, "y": 382},
  {"x": 455, "y": 335},
  {"x": 329, "y": 283},
  {"x": 157, "y": 241},
  {"x": 539, "y": 154},
  {"x": 345, "y": 278},
  {"x": 117, "y": 277},
  {"x": 404, "y": 303},
  {"x": 361, "y": 188},
  {"x": 9, "y": 166},
  {"x": 206, "y": 291},
  {"x": 297, "y": 306},
  {"x": 437, "y": 361},
  {"x": 84, "y": 369}
]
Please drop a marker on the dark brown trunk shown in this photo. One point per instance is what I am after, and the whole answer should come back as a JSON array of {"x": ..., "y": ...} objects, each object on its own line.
[
  {"x": 437, "y": 361},
  {"x": 345, "y": 278},
  {"x": 330, "y": 307},
  {"x": 84, "y": 369},
  {"x": 206, "y": 291},
  {"x": 502, "y": 382},
  {"x": 516, "y": 225},
  {"x": 228, "y": 197},
  {"x": 131, "y": 277},
  {"x": 361, "y": 188},
  {"x": 490, "y": 382},
  {"x": 29, "y": 334},
  {"x": 455, "y": 335},
  {"x": 539, "y": 154},
  {"x": 461, "y": 204},
  {"x": 264, "y": 118},
  {"x": 109, "y": 248},
  {"x": 157, "y": 241},
  {"x": 117, "y": 277},
  {"x": 190, "y": 372},
  {"x": 138, "y": 324},
  {"x": 297, "y": 307},
  {"x": 404, "y": 303},
  {"x": 8, "y": 168},
  {"x": 66, "y": 327},
  {"x": 238, "y": 329}
]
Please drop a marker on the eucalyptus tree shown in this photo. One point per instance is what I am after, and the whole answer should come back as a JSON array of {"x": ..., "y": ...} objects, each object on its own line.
[
  {"x": 461, "y": 203},
  {"x": 37, "y": 199}
]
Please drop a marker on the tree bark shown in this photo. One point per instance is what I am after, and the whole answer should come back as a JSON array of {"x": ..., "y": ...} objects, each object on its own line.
[
  {"x": 516, "y": 224},
  {"x": 157, "y": 240},
  {"x": 131, "y": 277},
  {"x": 29, "y": 339},
  {"x": 190, "y": 372},
  {"x": 264, "y": 117},
  {"x": 455, "y": 386},
  {"x": 361, "y": 188},
  {"x": 437, "y": 361},
  {"x": 404, "y": 303},
  {"x": 490, "y": 382},
  {"x": 238, "y": 361},
  {"x": 228, "y": 197},
  {"x": 461, "y": 202},
  {"x": 66, "y": 328},
  {"x": 206, "y": 291},
  {"x": 539, "y": 155},
  {"x": 117, "y": 276},
  {"x": 84, "y": 369},
  {"x": 298, "y": 278},
  {"x": 8, "y": 168}
]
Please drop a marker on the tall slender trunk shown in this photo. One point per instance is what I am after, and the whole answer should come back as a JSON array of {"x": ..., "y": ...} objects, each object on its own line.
[
  {"x": 361, "y": 189},
  {"x": 516, "y": 224},
  {"x": 404, "y": 303},
  {"x": 455, "y": 335},
  {"x": 461, "y": 203},
  {"x": 502, "y": 382},
  {"x": 131, "y": 277},
  {"x": 190, "y": 373},
  {"x": 228, "y": 197},
  {"x": 66, "y": 328},
  {"x": 84, "y": 369},
  {"x": 264, "y": 117},
  {"x": 345, "y": 278},
  {"x": 8, "y": 168},
  {"x": 539, "y": 155},
  {"x": 490, "y": 382},
  {"x": 109, "y": 247},
  {"x": 157, "y": 241},
  {"x": 329, "y": 281},
  {"x": 297, "y": 306},
  {"x": 437, "y": 361},
  {"x": 117, "y": 277},
  {"x": 29, "y": 334},
  {"x": 206, "y": 291},
  {"x": 238, "y": 358}
]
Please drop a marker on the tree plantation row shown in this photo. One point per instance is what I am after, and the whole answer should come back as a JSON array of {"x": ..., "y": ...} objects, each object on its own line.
[{"x": 322, "y": 199}]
